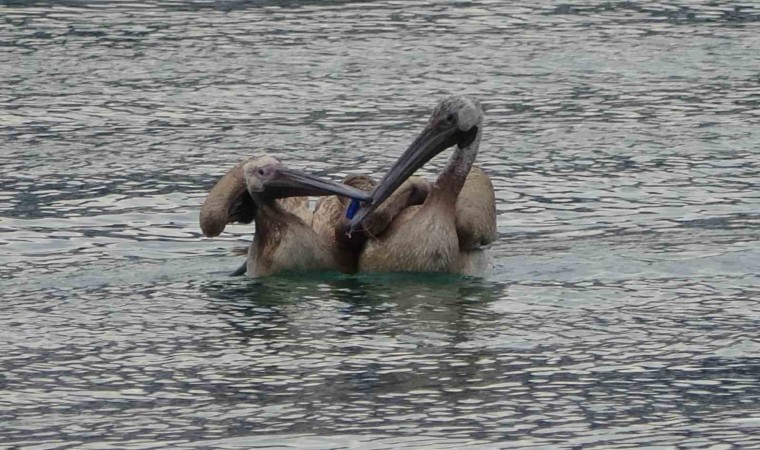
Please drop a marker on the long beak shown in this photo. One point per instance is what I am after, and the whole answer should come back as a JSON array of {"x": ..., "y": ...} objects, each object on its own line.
[
  {"x": 433, "y": 140},
  {"x": 293, "y": 183}
]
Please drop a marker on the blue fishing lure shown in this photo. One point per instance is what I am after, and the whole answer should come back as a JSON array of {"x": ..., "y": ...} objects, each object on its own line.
[{"x": 353, "y": 208}]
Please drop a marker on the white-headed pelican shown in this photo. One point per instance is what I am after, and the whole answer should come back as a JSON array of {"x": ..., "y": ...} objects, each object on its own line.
[{"x": 458, "y": 215}]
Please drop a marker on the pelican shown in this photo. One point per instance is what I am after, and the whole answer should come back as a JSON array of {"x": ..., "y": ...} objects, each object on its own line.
[
  {"x": 458, "y": 215},
  {"x": 265, "y": 191}
]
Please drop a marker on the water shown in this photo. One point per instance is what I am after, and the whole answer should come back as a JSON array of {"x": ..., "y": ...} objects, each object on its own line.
[{"x": 624, "y": 307}]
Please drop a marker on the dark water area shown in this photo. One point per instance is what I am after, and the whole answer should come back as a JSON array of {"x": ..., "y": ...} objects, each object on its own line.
[{"x": 623, "y": 310}]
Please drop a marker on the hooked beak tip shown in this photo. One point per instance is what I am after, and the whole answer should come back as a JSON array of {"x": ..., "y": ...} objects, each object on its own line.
[{"x": 353, "y": 225}]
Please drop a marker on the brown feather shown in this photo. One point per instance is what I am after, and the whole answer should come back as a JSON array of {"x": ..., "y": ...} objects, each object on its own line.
[
  {"x": 476, "y": 211},
  {"x": 227, "y": 202},
  {"x": 298, "y": 206},
  {"x": 413, "y": 191}
]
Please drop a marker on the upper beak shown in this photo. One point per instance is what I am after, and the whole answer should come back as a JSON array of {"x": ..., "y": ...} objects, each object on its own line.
[
  {"x": 293, "y": 183},
  {"x": 434, "y": 139}
]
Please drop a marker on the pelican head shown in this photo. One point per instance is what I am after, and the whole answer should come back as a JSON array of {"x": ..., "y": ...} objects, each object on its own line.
[
  {"x": 267, "y": 177},
  {"x": 236, "y": 196},
  {"x": 455, "y": 121}
]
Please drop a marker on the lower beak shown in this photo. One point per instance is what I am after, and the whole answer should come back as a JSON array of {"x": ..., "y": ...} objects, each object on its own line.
[
  {"x": 432, "y": 140},
  {"x": 294, "y": 183}
]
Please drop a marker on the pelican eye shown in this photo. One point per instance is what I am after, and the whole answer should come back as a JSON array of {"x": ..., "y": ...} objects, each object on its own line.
[
  {"x": 262, "y": 172},
  {"x": 451, "y": 118}
]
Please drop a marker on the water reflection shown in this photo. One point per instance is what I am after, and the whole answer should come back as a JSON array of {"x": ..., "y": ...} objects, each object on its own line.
[
  {"x": 353, "y": 306},
  {"x": 448, "y": 362}
]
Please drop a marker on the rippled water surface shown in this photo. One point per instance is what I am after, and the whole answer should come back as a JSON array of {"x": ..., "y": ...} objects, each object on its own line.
[{"x": 624, "y": 307}]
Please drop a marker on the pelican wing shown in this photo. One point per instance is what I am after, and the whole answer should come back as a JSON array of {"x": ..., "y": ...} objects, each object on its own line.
[
  {"x": 412, "y": 192},
  {"x": 298, "y": 206},
  {"x": 328, "y": 215},
  {"x": 227, "y": 202},
  {"x": 476, "y": 211}
]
